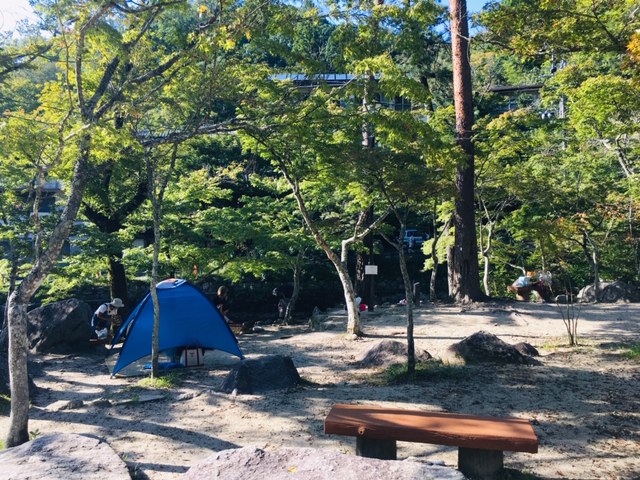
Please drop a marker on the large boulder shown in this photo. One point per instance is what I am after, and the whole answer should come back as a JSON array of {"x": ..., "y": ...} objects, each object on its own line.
[
  {"x": 311, "y": 464},
  {"x": 63, "y": 455},
  {"x": 486, "y": 347},
  {"x": 5, "y": 387},
  {"x": 609, "y": 292},
  {"x": 387, "y": 352},
  {"x": 274, "y": 372},
  {"x": 60, "y": 327},
  {"x": 4, "y": 375}
]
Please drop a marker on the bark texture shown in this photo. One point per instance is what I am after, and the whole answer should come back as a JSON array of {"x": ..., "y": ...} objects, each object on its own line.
[
  {"x": 19, "y": 300},
  {"x": 466, "y": 278}
]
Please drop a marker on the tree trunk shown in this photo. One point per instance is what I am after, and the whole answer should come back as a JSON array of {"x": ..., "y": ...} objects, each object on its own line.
[
  {"x": 364, "y": 283},
  {"x": 596, "y": 272},
  {"x": 353, "y": 311},
  {"x": 118, "y": 278},
  {"x": 485, "y": 277},
  {"x": 360, "y": 280},
  {"x": 155, "y": 337},
  {"x": 450, "y": 272},
  {"x": 364, "y": 258},
  {"x": 13, "y": 276},
  {"x": 18, "y": 375},
  {"x": 486, "y": 255},
  {"x": 592, "y": 255},
  {"x": 353, "y": 315},
  {"x": 408, "y": 292},
  {"x": 432, "y": 281},
  {"x": 466, "y": 278},
  {"x": 157, "y": 185},
  {"x": 297, "y": 276},
  {"x": 18, "y": 302},
  {"x": 112, "y": 222}
]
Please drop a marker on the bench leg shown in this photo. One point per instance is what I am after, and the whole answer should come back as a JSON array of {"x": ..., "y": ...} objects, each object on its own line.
[
  {"x": 376, "y": 448},
  {"x": 480, "y": 464}
]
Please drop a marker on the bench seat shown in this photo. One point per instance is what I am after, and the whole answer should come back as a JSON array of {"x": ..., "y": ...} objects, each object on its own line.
[{"x": 480, "y": 440}]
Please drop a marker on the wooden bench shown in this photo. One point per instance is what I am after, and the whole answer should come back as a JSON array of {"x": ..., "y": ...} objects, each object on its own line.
[{"x": 480, "y": 440}]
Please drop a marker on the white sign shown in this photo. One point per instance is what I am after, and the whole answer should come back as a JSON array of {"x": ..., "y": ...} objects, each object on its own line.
[{"x": 371, "y": 269}]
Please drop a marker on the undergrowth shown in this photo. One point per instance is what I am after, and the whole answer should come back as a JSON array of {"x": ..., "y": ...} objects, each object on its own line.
[
  {"x": 560, "y": 343},
  {"x": 432, "y": 370},
  {"x": 554, "y": 344},
  {"x": 633, "y": 352},
  {"x": 168, "y": 381}
]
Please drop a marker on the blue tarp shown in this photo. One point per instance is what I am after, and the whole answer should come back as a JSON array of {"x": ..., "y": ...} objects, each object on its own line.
[{"x": 187, "y": 319}]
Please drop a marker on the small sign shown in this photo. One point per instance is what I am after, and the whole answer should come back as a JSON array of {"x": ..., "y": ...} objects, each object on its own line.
[{"x": 371, "y": 269}]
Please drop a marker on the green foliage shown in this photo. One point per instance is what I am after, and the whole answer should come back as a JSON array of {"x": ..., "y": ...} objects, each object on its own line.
[
  {"x": 553, "y": 194},
  {"x": 606, "y": 106},
  {"x": 432, "y": 370},
  {"x": 534, "y": 27},
  {"x": 169, "y": 381},
  {"x": 633, "y": 352},
  {"x": 564, "y": 182},
  {"x": 62, "y": 287}
]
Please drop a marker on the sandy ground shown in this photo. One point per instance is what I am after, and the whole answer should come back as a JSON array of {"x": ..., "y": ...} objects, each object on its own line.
[{"x": 583, "y": 402}]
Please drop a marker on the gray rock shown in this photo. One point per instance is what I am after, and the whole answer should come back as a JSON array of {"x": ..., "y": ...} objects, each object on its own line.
[
  {"x": 4, "y": 375},
  {"x": 311, "y": 464},
  {"x": 616, "y": 291},
  {"x": 387, "y": 352},
  {"x": 527, "y": 349},
  {"x": 64, "y": 405},
  {"x": 5, "y": 387},
  {"x": 60, "y": 327},
  {"x": 63, "y": 456},
  {"x": 486, "y": 347},
  {"x": 609, "y": 292},
  {"x": 315, "y": 321},
  {"x": 275, "y": 372}
]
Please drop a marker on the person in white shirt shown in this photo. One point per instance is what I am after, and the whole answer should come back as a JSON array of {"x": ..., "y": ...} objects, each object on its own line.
[{"x": 106, "y": 317}]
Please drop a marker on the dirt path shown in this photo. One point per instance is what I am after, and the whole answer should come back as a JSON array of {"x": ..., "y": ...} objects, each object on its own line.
[{"x": 584, "y": 402}]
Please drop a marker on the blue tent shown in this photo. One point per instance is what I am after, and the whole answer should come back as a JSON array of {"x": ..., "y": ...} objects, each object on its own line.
[{"x": 187, "y": 319}]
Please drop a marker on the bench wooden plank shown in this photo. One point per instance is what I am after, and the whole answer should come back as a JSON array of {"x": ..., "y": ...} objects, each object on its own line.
[{"x": 468, "y": 431}]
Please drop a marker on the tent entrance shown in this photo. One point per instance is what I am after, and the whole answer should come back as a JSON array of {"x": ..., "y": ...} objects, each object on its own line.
[{"x": 139, "y": 368}]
